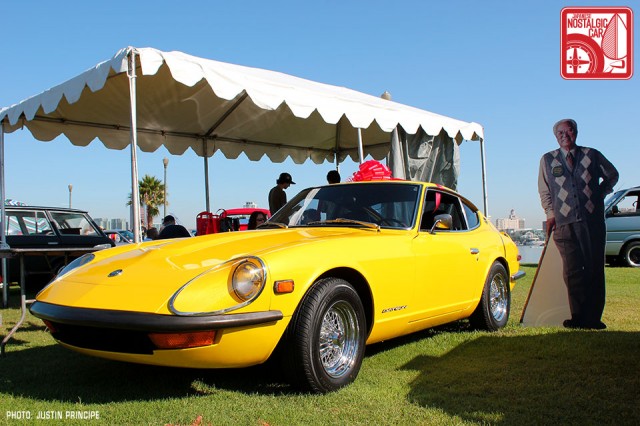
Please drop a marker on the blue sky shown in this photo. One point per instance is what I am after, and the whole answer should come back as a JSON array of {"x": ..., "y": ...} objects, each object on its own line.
[{"x": 493, "y": 62}]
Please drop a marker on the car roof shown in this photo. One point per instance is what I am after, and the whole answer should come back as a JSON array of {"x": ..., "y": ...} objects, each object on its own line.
[
  {"x": 60, "y": 209},
  {"x": 245, "y": 211}
]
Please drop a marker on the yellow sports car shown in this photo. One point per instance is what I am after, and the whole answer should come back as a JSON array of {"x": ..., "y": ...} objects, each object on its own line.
[{"x": 338, "y": 267}]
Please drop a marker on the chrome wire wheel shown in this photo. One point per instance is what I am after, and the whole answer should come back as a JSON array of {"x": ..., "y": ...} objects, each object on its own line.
[
  {"x": 499, "y": 297},
  {"x": 338, "y": 343},
  {"x": 325, "y": 340}
]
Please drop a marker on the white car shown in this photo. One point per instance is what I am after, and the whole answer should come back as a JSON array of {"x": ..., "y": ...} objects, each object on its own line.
[{"x": 622, "y": 212}]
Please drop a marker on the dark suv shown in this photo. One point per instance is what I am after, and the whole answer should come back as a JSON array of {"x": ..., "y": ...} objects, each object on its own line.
[{"x": 29, "y": 227}]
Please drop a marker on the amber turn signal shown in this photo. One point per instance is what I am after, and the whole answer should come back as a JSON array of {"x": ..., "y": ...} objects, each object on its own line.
[
  {"x": 284, "y": 286},
  {"x": 191, "y": 339}
]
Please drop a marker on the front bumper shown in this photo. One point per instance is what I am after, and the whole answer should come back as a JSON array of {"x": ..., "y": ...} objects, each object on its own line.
[
  {"x": 140, "y": 321},
  {"x": 240, "y": 339}
]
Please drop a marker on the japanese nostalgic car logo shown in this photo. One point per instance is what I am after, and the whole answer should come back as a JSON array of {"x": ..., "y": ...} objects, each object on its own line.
[
  {"x": 596, "y": 43},
  {"x": 115, "y": 273}
]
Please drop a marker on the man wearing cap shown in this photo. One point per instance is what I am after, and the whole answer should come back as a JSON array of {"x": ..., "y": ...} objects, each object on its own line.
[
  {"x": 277, "y": 196},
  {"x": 572, "y": 182},
  {"x": 172, "y": 230}
]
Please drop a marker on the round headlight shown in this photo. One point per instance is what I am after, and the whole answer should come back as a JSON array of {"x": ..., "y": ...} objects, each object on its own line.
[
  {"x": 248, "y": 279},
  {"x": 82, "y": 260}
]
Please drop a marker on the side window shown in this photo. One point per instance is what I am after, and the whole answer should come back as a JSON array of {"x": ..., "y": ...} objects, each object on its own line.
[
  {"x": 73, "y": 224},
  {"x": 472, "y": 216},
  {"x": 14, "y": 224},
  {"x": 28, "y": 222},
  {"x": 436, "y": 203},
  {"x": 628, "y": 205}
]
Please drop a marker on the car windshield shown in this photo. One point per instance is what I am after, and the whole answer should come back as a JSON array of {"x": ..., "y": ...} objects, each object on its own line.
[{"x": 384, "y": 205}]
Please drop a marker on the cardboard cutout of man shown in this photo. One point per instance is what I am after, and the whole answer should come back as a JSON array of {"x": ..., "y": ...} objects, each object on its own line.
[{"x": 573, "y": 182}]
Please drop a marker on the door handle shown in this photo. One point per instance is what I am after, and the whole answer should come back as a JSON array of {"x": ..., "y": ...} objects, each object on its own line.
[{"x": 474, "y": 251}]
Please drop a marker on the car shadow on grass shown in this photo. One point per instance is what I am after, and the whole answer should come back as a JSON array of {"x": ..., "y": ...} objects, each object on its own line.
[
  {"x": 577, "y": 377},
  {"x": 55, "y": 373},
  {"x": 66, "y": 376}
]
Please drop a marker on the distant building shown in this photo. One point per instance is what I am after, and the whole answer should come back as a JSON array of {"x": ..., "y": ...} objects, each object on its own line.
[
  {"x": 106, "y": 223},
  {"x": 513, "y": 222},
  {"x": 101, "y": 222},
  {"x": 118, "y": 224}
]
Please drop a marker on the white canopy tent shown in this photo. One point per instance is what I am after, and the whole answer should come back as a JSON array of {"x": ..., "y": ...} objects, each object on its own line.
[{"x": 147, "y": 98}]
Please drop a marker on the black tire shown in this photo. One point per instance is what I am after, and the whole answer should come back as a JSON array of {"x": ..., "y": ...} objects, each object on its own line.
[
  {"x": 325, "y": 340},
  {"x": 493, "y": 310},
  {"x": 631, "y": 254}
]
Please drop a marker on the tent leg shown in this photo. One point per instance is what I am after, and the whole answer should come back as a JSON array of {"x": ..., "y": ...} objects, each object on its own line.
[
  {"x": 206, "y": 175},
  {"x": 360, "y": 149},
  {"x": 485, "y": 198},
  {"x": 3, "y": 237},
  {"x": 4, "y": 284},
  {"x": 135, "y": 190}
]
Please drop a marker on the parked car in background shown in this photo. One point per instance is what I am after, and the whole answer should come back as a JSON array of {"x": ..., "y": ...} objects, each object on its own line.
[
  {"x": 120, "y": 236},
  {"x": 242, "y": 216},
  {"x": 622, "y": 213},
  {"x": 33, "y": 227},
  {"x": 338, "y": 267}
]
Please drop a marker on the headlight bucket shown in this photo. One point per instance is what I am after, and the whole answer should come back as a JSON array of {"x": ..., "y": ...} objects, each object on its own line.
[
  {"x": 76, "y": 263},
  {"x": 247, "y": 279},
  {"x": 207, "y": 294}
]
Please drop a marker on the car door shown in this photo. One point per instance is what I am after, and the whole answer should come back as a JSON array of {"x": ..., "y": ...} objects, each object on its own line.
[
  {"x": 447, "y": 269},
  {"x": 623, "y": 221},
  {"x": 29, "y": 228},
  {"x": 76, "y": 229}
]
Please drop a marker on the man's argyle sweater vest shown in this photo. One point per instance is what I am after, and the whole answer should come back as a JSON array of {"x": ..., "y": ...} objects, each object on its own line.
[{"x": 575, "y": 194}]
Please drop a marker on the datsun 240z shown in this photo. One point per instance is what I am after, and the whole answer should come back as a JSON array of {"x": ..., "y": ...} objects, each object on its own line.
[{"x": 338, "y": 267}]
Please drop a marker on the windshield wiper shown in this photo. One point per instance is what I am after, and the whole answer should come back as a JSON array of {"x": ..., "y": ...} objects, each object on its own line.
[
  {"x": 343, "y": 221},
  {"x": 272, "y": 225}
]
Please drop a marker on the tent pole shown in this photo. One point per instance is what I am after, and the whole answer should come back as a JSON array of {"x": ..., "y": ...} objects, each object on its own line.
[
  {"x": 206, "y": 175},
  {"x": 484, "y": 179},
  {"x": 3, "y": 238},
  {"x": 360, "y": 149},
  {"x": 135, "y": 190}
]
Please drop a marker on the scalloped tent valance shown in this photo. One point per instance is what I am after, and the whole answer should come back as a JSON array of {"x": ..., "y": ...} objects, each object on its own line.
[{"x": 184, "y": 100}]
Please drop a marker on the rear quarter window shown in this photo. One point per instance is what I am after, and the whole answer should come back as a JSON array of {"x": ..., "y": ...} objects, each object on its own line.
[{"x": 472, "y": 216}]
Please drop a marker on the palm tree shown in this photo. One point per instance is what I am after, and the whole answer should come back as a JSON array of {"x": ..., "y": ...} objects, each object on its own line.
[{"x": 151, "y": 195}]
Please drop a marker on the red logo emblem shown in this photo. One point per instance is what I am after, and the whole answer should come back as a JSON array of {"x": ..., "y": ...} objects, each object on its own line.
[{"x": 596, "y": 43}]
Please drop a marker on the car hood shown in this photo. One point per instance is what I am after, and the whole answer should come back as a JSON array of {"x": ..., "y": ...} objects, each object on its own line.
[{"x": 142, "y": 277}]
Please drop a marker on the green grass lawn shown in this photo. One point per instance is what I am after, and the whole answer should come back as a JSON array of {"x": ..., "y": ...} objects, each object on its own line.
[{"x": 444, "y": 376}]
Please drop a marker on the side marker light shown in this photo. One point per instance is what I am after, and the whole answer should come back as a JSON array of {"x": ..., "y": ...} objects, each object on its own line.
[{"x": 284, "y": 286}]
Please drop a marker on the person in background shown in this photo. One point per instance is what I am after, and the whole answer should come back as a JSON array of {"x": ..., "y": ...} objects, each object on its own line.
[
  {"x": 152, "y": 234},
  {"x": 172, "y": 230},
  {"x": 333, "y": 177},
  {"x": 277, "y": 196},
  {"x": 572, "y": 182},
  {"x": 256, "y": 219}
]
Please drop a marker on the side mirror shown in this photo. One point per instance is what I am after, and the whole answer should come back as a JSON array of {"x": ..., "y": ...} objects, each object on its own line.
[{"x": 442, "y": 222}]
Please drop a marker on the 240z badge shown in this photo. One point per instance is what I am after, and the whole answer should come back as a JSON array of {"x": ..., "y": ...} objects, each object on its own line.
[{"x": 397, "y": 308}]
